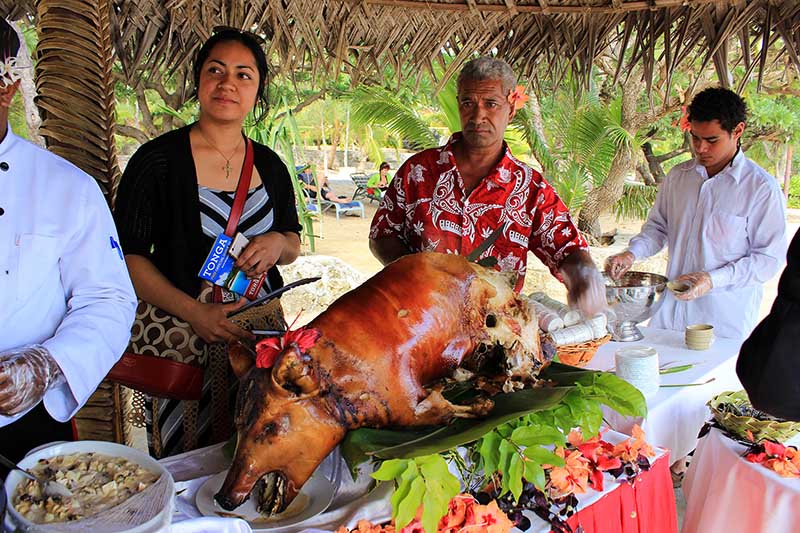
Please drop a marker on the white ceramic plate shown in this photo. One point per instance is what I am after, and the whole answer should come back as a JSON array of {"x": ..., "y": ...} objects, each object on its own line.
[{"x": 315, "y": 496}]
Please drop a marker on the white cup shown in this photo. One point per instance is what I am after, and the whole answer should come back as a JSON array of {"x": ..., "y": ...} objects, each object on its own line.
[{"x": 638, "y": 365}]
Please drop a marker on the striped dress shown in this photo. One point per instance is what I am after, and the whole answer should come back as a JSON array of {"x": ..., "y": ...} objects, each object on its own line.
[{"x": 257, "y": 218}]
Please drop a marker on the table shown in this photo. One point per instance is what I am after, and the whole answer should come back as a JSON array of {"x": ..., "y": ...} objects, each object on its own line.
[
  {"x": 725, "y": 492},
  {"x": 675, "y": 415},
  {"x": 647, "y": 507}
]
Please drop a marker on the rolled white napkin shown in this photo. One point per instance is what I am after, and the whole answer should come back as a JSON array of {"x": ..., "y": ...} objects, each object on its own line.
[
  {"x": 569, "y": 316},
  {"x": 548, "y": 319},
  {"x": 572, "y": 335}
]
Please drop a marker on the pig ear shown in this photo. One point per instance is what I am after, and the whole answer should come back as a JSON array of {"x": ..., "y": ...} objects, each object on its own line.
[
  {"x": 241, "y": 357},
  {"x": 295, "y": 373}
]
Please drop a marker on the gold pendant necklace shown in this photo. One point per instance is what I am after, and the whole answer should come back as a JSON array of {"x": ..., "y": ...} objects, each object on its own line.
[{"x": 227, "y": 167}]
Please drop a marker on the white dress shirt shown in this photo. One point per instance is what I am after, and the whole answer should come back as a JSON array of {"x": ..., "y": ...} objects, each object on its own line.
[
  {"x": 63, "y": 280},
  {"x": 733, "y": 226}
]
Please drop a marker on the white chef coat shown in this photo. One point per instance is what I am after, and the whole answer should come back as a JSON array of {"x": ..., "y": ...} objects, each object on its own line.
[
  {"x": 63, "y": 280},
  {"x": 733, "y": 226}
]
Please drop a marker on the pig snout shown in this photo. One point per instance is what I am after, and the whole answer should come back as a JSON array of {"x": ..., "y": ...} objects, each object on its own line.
[{"x": 236, "y": 488}]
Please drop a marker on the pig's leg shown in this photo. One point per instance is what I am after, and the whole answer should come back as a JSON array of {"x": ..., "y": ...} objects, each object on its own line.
[{"x": 435, "y": 409}]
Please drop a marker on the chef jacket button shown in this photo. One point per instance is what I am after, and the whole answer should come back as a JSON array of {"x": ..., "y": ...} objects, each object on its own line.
[
  {"x": 4, "y": 166},
  {"x": 2, "y": 211}
]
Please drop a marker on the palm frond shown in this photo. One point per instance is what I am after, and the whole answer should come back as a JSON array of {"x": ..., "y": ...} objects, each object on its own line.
[
  {"x": 523, "y": 122},
  {"x": 636, "y": 201},
  {"x": 374, "y": 105},
  {"x": 448, "y": 104},
  {"x": 571, "y": 184}
]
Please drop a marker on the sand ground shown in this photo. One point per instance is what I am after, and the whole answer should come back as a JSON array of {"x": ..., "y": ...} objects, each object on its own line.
[{"x": 347, "y": 239}]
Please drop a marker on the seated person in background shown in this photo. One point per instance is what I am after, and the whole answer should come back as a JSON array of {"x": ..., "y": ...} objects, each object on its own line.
[
  {"x": 379, "y": 180},
  {"x": 768, "y": 365},
  {"x": 307, "y": 177}
]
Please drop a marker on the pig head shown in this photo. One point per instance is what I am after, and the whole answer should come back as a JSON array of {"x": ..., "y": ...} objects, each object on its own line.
[
  {"x": 376, "y": 351},
  {"x": 283, "y": 427}
]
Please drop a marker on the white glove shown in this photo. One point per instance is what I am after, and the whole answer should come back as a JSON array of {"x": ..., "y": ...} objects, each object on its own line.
[
  {"x": 617, "y": 265},
  {"x": 26, "y": 374}
]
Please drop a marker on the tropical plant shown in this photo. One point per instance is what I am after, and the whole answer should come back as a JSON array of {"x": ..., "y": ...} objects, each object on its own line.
[
  {"x": 509, "y": 445},
  {"x": 279, "y": 131}
]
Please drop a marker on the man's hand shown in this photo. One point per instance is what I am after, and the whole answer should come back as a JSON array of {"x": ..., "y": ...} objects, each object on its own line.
[
  {"x": 26, "y": 374},
  {"x": 617, "y": 265},
  {"x": 699, "y": 284},
  {"x": 210, "y": 321},
  {"x": 585, "y": 287}
]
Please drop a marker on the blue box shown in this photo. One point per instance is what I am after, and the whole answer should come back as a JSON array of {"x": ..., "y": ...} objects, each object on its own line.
[{"x": 219, "y": 267}]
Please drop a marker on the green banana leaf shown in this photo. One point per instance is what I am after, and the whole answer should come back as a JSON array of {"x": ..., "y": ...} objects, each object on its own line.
[{"x": 366, "y": 443}]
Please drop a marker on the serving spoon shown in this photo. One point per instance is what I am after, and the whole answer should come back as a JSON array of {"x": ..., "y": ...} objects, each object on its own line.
[{"x": 49, "y": 487}]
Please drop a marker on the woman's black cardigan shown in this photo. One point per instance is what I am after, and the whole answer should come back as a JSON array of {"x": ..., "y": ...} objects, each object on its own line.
[{"x": 157, "y": 209}]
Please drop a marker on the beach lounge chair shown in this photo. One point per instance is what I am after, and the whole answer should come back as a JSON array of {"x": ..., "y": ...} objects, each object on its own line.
[
  {"x": 352, "y": 207},
  {"x": 362, "y": 191}
]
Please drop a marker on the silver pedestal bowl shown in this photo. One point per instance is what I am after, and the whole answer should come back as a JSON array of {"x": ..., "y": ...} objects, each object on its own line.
[{"x": 631, "y": 299}]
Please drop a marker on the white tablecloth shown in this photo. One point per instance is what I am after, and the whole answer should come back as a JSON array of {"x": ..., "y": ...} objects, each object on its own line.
[
  {"x": 191, "y": 469},
  {"x": 726, "y": 493},
  {"x": 675, "y": 415}
]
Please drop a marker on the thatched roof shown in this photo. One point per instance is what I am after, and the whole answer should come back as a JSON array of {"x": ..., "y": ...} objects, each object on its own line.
[
  {"x": 364, "y": 35},
  {"x": 80, "y": 38}
]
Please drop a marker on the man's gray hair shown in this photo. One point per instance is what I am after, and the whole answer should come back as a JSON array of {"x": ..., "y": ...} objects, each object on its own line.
[{"x": 488, "y": 68}]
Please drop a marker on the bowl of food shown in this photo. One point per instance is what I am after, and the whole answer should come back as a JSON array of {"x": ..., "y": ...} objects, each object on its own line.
[
  {"x": 632, "y": 299},
  {"x": 112, "y": 486}
]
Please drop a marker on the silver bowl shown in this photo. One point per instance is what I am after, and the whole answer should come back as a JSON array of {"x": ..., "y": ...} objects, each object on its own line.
[{"x": 631, "y": 299}]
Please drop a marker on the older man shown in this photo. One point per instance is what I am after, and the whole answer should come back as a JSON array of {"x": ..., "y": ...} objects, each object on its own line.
[
  {"x": 450, "y": 199},
  {"x": 723, "y": 220}
]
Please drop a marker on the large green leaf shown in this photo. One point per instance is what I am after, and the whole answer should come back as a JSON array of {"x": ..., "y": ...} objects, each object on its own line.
[
  {"x": 361, "y": 444},
  {"x": 608, "y": 388}
]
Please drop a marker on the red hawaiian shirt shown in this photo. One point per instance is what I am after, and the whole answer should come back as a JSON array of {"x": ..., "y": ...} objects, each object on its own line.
[{"x": 425, "y": 207}]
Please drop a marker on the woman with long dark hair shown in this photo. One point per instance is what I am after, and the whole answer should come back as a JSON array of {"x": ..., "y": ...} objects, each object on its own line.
[{"x": 175, "y": 197}]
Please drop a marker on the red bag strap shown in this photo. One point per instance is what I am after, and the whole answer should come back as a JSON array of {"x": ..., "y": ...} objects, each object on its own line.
[
  {"x": 241, "y": 190},
  {"x": 238, "y": 203}
]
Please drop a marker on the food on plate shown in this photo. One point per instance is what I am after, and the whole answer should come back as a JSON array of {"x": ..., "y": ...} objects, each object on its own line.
[
  {"x": 97, "y": 482},
  {"x": 375, "y": 358}
]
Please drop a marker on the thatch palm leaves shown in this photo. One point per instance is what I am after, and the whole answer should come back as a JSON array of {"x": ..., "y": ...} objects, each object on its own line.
[{"x": 76, "y": 86}]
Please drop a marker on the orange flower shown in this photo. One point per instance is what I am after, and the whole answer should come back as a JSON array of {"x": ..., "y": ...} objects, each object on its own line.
[
  {"x": 683, "y": 122},
  {"x": 517, "y": 97},
  {"x": 486, "y": 519},
  {"x": 629, "y": 450},
  {"x": 573, "y": 477},
  {"x": 784, "y": 460}
]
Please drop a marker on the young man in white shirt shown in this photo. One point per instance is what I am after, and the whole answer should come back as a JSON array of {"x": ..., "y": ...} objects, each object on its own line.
[
  {"x": 723, "y": 220},
  {"x": 66, "y": 301}
]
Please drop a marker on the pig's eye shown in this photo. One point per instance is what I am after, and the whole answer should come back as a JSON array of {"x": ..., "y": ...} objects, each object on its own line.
[
  {"x": 491, "y": 321},
  {"x": 269, "y": 430}
]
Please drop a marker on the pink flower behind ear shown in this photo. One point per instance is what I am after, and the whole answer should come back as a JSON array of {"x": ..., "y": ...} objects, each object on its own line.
[{"x": 517, "y": 97}]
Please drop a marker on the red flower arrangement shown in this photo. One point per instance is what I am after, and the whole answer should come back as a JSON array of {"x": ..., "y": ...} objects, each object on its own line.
[
  {"x": 585, "y": 462},
  {"x": 785, "y": 460}
]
